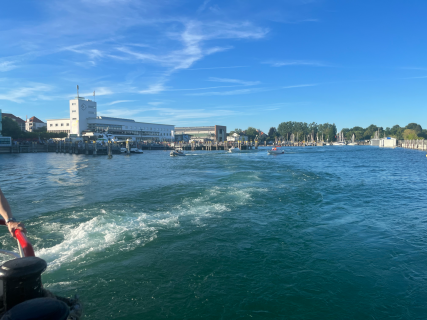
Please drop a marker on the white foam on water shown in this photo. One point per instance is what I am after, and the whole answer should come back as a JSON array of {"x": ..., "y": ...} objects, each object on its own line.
[
  {"x": 119, "y": 230},
  {"x": 96, "y": 235}
]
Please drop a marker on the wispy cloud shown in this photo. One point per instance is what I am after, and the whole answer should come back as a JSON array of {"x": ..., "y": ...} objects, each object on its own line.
[
  {"x": 421, "y": 77},
  {"x": 193, "y": 40},
  {"x": 156, "y": 103},
  {"x": 118, "y": 101},
  {"x": 242, "y": 82},
  {"x": 213, "y": 68},
  {"x": 120, "y": 113},
  {"x": 296, "y": 63},
  {"x": 7, "y": 66},
  {"x": 153, "y": 89},
  {"x": 300, "y": 86},
  {"x": 414, "y": 68},
  {"x": 180, "y": 114},
  {"x": 203, "y": 6},
  {"x": 100, "y": 91},
  {"x": 33, "y": 92},
  {"x": 169, "y": 115},
  {"x": 205, "y": 88},
  {"x": 229, "y": 93}
]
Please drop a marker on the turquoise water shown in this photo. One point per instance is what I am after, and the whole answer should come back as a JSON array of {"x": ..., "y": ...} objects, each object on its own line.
[{"x": 316, "y": 233}]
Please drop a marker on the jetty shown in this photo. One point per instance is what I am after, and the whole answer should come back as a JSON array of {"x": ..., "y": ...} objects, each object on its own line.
[{"x": 110, "y": 148}]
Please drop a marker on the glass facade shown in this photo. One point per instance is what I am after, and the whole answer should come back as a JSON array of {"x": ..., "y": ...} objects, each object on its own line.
[
  {"x": 101, "y": 127},
  {"x": 118, "y": 129}
]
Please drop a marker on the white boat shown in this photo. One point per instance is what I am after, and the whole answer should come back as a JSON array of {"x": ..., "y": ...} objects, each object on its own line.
[
  {"x": 352, "y": 143},
  {"x": 234, "y": 149},
  {"x": 276, "y": 150},
  {"x": 177, "y": 153},
  {"x": 136, "y": 150},
  {"x": 341, "y": 140},
  {"x": 132, "y": 150}
]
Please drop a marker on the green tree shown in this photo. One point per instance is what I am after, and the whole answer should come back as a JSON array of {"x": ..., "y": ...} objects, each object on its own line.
[
  {"x": 416, "y": 127},
  {"x": 410, "y": 134},
  {"x": 251, "y": 132},
  {"x": 11, "y": 128},
  {"x": 237, "y": 130},
  {"x": 272, "y": 133}
]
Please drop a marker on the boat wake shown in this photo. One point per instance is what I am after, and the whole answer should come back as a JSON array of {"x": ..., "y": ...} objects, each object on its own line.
[{"x": 110, "y": 231}]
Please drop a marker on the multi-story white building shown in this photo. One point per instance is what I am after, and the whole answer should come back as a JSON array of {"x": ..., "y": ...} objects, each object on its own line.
[
  {"x": 237, "y": 137},
  {"x": 58, "y": 125},
  {"x": 84, "y": 118},
  {"x": 34, "y": 123}
]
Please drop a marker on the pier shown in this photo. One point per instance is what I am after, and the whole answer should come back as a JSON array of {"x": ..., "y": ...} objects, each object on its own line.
[
  {"x": 110, "y": 148},
  {"x": 413, "y": 144}
]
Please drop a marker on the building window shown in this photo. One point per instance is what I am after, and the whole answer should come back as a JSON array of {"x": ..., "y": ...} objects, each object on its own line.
[
  {"x": 56, "y": 124},
  {"x": 73, "y": 104},
  {"x": 51, "y": 125},
  {"x": 68, "y": 124},
  {"x": 73, "y": 110},
  {"x": 62, "y": 124},
  {"x": 74, "y": 118}
]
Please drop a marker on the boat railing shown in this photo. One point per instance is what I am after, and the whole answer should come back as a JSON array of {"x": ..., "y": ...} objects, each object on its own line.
[{"x": 24, "y": 246}]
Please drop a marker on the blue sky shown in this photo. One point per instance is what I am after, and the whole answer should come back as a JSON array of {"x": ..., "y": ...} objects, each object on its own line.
[{"x": 235, "y": 63}]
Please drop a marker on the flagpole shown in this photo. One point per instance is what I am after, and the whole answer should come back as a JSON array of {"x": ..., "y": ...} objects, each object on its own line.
[
  {"x": 77, "y": 91},
  {"x": 94, "y": 95}
]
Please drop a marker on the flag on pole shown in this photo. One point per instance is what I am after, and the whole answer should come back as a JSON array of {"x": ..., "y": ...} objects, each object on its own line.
[{"x": 93, "y": 92}]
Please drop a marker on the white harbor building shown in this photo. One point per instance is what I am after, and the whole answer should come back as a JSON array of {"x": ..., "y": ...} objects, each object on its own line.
[{"x": 84, "y": 119}]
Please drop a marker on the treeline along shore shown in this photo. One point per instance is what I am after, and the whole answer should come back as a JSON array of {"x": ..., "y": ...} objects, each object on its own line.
[{"x": 329, "y": 132}]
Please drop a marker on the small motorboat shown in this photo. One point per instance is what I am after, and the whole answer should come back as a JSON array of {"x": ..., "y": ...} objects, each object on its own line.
[
  {"x": 177, "y": 153},
  {"x": 132, "y": 150},
  {"x": 234, "y": 149},
  {"x": 275, "y": 150},
  {"x": 136, "y": 150}
]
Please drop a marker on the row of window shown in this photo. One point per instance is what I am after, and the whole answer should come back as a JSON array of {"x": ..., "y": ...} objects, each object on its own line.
[
  {"x": 56, "y": 130},
  {"x": 146, "y": 128},
  {"x": 56, "y": 125}
]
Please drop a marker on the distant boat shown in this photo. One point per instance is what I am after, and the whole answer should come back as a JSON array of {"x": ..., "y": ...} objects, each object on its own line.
[
  {"x": 136, "y": 150},
  {"x": 275, "y": 150},
  {"x": 234, "y": 149},
  {"x": 352, "y": 143},
  {"x": 341, "y": 141},
  {"x": 177, "y": 153},
  {"x": 132, "y": 150}
]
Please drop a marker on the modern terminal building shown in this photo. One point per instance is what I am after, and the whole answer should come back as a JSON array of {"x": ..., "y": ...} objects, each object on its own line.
[
  {"x": 84, "y": 120},
  {"x": 213, "y": 133}
]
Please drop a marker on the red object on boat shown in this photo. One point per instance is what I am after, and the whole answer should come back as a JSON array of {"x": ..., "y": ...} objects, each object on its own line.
[{"x": 27, "y": 248}]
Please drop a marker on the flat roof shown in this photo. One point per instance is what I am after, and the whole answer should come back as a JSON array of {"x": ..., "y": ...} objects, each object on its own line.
[
  {"x": 57, "y": 119},
  {"x": 204, "y": 127},
  {"x": 130, "y": 120}
]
